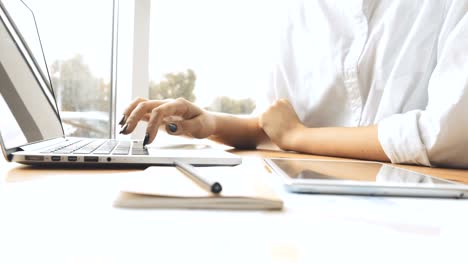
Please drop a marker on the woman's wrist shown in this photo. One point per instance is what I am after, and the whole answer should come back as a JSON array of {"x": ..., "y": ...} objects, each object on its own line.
[
  {"x": 293, "y": 138},
  {"x": 216, "y": 120},
  {"x": 237, "y": 131}
]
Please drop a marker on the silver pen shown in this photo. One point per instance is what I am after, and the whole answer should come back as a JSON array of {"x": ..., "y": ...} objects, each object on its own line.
[{"x": 192, "y": 173}]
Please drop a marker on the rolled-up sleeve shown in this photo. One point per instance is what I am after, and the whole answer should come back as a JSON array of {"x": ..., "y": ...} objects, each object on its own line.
[{"x": 437, "y": 135}]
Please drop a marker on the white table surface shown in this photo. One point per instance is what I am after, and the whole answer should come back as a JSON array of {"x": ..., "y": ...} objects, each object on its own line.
[{"x": 57, "y": 216}]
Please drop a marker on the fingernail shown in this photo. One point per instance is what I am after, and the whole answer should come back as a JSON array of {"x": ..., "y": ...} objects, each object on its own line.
[
  {"x": 172, "y": 127},
  {"x": 122, "y": 130},
  {"x": 122, "y": 121},
  {"x": 145, "y": 141}
]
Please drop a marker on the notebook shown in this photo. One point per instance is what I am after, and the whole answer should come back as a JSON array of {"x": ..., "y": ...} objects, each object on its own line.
[
  {"x": 245, "y": 187},
  {"x": 31, "y": 130}
]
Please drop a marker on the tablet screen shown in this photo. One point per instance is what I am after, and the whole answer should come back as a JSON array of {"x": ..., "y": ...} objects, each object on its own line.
[{"x": 351, "y": 171}]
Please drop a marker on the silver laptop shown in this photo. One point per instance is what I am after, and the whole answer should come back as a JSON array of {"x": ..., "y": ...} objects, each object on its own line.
[{"x": 31, "y": 130}]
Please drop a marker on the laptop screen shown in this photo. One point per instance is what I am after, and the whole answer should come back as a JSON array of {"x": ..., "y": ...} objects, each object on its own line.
[{"x": 28, "y": 111}]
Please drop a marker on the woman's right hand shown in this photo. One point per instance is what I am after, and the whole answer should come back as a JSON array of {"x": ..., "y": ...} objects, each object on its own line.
[{"x": 179, "y": 116}]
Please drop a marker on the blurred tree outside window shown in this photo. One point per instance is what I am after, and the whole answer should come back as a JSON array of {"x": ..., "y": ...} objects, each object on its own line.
[
  {"x": 225, "y": 44},
  {"x": 84, "y": 100},
  {"x": 174, "y": 85},
  {"x": 182, "y": 84},
  {"x": 229, "y": 105}
]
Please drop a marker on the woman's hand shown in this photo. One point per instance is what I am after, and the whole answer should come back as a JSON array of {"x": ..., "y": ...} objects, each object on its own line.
[
  {"x": 281, "y": 124},
  {"x": 179, "y": 116}
]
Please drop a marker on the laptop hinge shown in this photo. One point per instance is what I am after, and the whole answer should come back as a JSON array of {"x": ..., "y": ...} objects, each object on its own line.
[{"x": 9, "y": 153}]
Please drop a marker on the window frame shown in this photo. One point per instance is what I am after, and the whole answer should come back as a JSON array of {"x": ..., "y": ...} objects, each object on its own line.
[{"x": 130, "y": 57}]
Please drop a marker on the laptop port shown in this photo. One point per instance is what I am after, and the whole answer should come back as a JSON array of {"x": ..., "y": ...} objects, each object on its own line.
[
  {"x": 56, "y": 158},
  {"x": 34, "y": 158},
  {"x": 72, "y": 158},
  {"x": 91, "y": 159}
]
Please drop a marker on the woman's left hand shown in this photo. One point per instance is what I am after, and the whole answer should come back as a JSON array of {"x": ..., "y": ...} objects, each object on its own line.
[{"x": 282, "y": 125}]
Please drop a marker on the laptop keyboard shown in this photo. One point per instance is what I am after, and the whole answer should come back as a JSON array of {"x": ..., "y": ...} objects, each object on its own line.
[{"x": 99, "y": 146}]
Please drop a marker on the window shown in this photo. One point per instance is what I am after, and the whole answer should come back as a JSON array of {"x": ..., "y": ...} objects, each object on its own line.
[
  {"x": 215, "y": 53},
  {"x": 76, "y": 38}
]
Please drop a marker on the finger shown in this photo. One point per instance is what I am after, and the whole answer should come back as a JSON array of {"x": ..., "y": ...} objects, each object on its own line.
[
  {"x": 172, "y": 119},
  {"x": 146, "y": 117},
  {"x": 140, "y": 112},
  {"x": 196, "y": 127},
  {"x": 171, "y": 125},
  {"x": 159, "y": 114},
  {"x": 187, "y": 127},
  {"x": 130, "y": 108},
  {"x": 174, "y": 128}
]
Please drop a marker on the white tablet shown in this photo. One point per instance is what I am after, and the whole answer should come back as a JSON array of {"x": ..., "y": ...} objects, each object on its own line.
[{"x": 361, "y": 178}]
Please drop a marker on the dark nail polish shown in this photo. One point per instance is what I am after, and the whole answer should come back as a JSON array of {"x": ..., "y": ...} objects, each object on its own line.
[
  {"x": 172, "y": 127},
  {"x": 122, "y": 130},
  {"x": 122, "y": 121},
  {"x": 145, "y": 141}
]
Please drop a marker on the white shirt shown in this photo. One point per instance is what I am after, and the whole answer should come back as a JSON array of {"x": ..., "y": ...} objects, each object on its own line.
[{"x": 400, "y": 64}]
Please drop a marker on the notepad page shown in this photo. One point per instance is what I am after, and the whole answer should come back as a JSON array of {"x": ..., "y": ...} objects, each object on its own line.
[{"x": 171, "y": 182}]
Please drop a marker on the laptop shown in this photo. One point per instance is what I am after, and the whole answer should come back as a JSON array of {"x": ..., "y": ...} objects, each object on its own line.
[{"x": 31, "y": 130}]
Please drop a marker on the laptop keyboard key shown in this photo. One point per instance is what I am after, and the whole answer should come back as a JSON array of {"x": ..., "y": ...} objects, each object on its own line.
[
  {"x": 139, "y": 151},
  {"x": 107, "y": 147},
  {"x": 120, "y": 152},
  {"x": 90, "y": 147}
]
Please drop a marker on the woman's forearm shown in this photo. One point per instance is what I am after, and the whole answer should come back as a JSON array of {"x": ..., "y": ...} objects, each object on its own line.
[
  {"x": 237, "y": 131},
  {"x": 348, "y": 142}
]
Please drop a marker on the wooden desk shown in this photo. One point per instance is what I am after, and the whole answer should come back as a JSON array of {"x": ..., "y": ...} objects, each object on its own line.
[{"x": 66, "y": 216}]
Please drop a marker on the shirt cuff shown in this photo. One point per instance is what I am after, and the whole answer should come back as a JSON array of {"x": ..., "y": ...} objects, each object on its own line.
[{"x": 400, "y": 139}]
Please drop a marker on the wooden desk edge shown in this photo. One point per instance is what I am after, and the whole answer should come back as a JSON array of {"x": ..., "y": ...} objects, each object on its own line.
[{"x": 458, "y": 175}]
